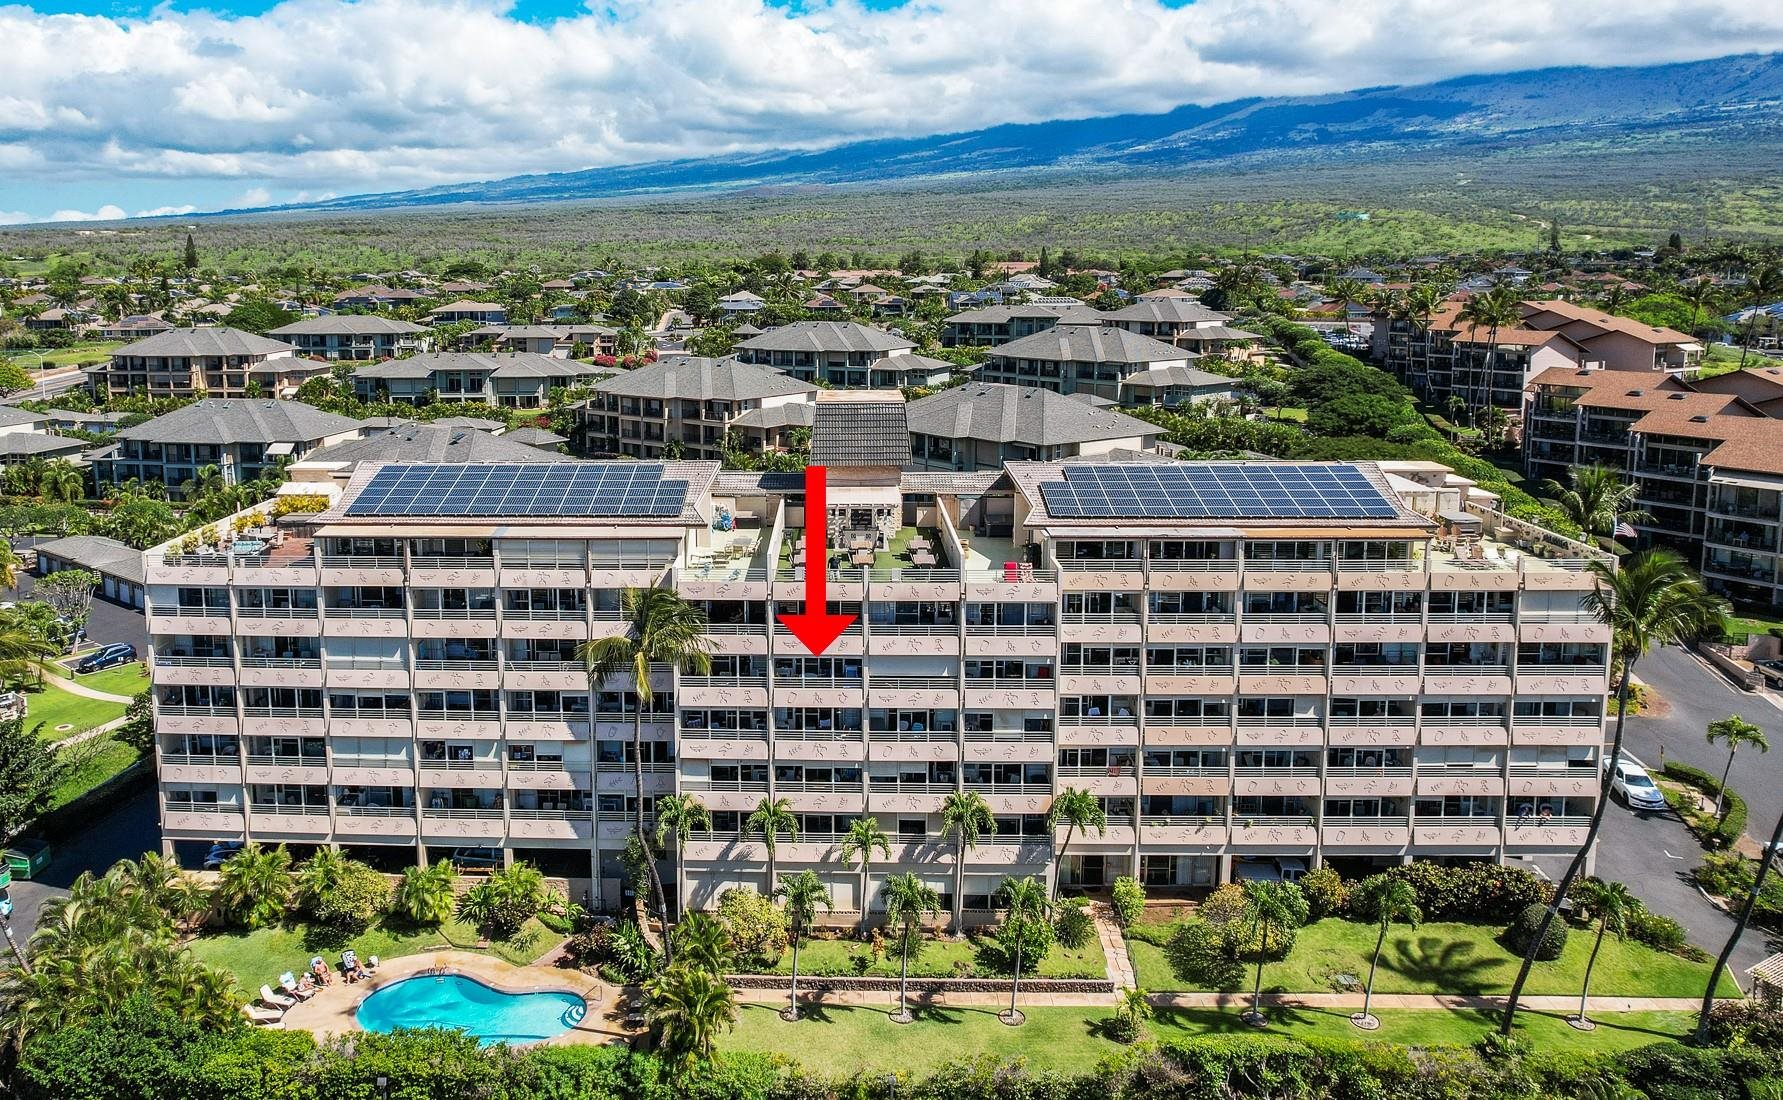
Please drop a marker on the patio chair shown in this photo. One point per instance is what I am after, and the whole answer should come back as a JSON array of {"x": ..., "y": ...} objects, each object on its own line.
[
  {"x": 275, "y": 1000},
  {"x": 261, "y": 1016},
  {"x": 288, "y": 983}
]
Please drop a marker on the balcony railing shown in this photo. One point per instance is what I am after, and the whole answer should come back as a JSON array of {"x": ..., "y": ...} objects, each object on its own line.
[
  {"x": 197, "y": 710},
  {"x": 881, "y": 785},
  {"x": 357, "y": 561},
  {"x": 464, "y": 716},
  {"x": 1358, "y": 771},
  {"x": 1090, "y": 771},
  {"x": 477, "y": 814},
  {"x": 1307, "y": 772},
  {"x": 1013, "y": 630},
  {"x": 1287, "y": 565},
  {"x": 203, "y": 807},
  {"x": 1392, "y": 822},
  {"x": 375, "y": 811},
  {"x": 1272, "y": 821},
  {"x": 697, "y": 783},
  {"x": 1193, "y": 565},
  {"x": 309, "y": 809}
]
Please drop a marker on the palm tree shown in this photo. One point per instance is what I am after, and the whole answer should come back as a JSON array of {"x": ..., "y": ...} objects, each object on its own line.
[
  {"x": 661, "y": 629},
  {"x": 803, "y": 893},
  {"x": 1078, "y": 810},
  {"x": 907, "y": 901},
  {"x": 863, "y": 838},
  {"x": 1346, "y": 292},
  {"x": 1700, "y": 294},
  {"x": 689, "y": 1007},
  {"x": 1497, "y": 308},
  {"x": 1767, "y": 857},
  {"x": 62, "y": 481},
  {"x": 22, "y": 646},
  {"x": 704, "y": 944},
  {"x": 1131, "y": 1012},
  {"x": 254, "y": 885},
  {"x": 425, "y": 894},
  {"x": 965, "y": 816},
  {"x": 1027, "y": 905},
  {"x": 1652, "y": 598},
  {"x": 1612, "y": 905},
  {"x": 1391, "y": 900},
  {"x": 321, "y": 874},
  {"x": 677, "y": 816},
  {"x": 1270, "y": 907},
  {"x": 1599, "y": 500},
  {"x": 771, "y": 818},
  {"x": 1735, "y": 731},
  {"x": 1762, "y": 287}
]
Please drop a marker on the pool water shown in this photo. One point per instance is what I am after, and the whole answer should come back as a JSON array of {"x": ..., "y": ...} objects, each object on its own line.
[{"x": 456, "y": 1002}]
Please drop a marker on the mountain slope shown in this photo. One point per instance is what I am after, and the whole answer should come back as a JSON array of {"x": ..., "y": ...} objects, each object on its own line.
[{"x": 1738, "y": 99}]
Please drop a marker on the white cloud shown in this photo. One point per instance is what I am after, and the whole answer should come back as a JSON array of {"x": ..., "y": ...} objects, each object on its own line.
[
  {"x": 320, "y": 96},
  {"x": 15, "y": 217},
  {"x": 163, "y": 211},
  {"x": 106, "y": 213}
]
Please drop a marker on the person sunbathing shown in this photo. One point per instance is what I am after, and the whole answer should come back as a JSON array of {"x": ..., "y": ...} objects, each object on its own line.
[{"x": 319, "y": 971}]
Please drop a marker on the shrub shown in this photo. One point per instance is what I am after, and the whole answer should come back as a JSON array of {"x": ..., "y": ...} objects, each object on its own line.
[
  {"x": 1661, "y": 932},
  {"x": 1127, "y": 900},
  {"x": 1523, "y": 928},
  {"x": 756, "y": 925},
  {"x": 1327, "y": 895},
  {"x": 590, "y": 947},
  {"x": 1714, "y": 833},
  {"x": 1750, "y": 1023},
  {"x": 359, "y": 896},
  {"x": 1473, "y": 891},
  {"x": 1224, "y": 907},
  {"x": 1074, "y": 927},
  {"x": 1199, "y": 954}
]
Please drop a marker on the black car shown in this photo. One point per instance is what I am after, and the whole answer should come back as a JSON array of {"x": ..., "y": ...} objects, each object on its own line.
[{"x": 117, "y": 653}]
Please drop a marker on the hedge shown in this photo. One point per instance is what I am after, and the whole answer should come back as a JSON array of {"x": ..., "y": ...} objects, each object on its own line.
[
  {"x": 1712, "y": 834},
  {"x": 80, "y": 812}
]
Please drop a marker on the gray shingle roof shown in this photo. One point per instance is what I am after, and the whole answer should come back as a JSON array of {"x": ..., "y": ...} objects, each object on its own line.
[
  {"x": 434, "y": 443},
  {"x": 1178, "y": 310},
  {"x": 181, "y": 342},
  {"x": 793, "y": 414},
  {"x": 1175, "y": 375},
  {"x": 98, "y": 553},
  {"x": 693, "y": 378},
  {"x": 349, "y": 324},
  {"x": 860, "y": 428},
  {"x": 1073, "y": 343},
  {"x": 29, "y": 444},
  {"x": 533, "y": 437},
  {"x": 12, "y": 418},
  {"x": 827, "y": 336},
  {"x": 997, "y": 315},
  {"x": 1019, "y": 414},
  {"x": 504, "y": 364},
  {"x": 241, "y": 420}
]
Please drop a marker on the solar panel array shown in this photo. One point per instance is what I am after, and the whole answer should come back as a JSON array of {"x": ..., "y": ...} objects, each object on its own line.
[
  {"x": 521, "y": 489},
  {"x": 1216, "y": 491}
]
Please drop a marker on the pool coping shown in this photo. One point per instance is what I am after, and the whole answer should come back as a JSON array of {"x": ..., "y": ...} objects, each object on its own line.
[{"x": 334, "y": 1010}]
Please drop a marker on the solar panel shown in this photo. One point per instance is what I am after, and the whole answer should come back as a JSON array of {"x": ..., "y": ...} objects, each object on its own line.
[
  {"x": 1216, "y": 491},
  {"x": 522, "y": 489}
]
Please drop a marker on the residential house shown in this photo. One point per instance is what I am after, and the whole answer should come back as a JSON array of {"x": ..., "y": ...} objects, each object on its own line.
[
  {"x": 436, "y": 443},
  {"x": 483, "y": 313},
  {"x": 1182, "y": 321},
  {"x": 742, "y": 301},
  {"x": 377, "y": 297},
  {"x": 137, "y": 327}
]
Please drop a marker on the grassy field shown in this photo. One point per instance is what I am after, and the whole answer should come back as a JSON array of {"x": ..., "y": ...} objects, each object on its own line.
[
  {"x": 1443, "y": 958},
  {"x": 107, "y": 758},
  {"x": 265, "y": 953},
  {"x": 840, "y": 1039},
  {"x": 56, "y": 708},
  {"x": 65, "y": 357},
  {"x": 943, "y": 958},
  {"x": 122, "y": 680}
]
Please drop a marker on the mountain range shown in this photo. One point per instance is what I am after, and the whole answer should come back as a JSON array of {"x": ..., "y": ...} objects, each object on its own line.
[{"x": 1732, "y": 100}]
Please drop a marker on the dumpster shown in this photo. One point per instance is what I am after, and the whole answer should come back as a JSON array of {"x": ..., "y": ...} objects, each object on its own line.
[{"x": 27, "y": 858}]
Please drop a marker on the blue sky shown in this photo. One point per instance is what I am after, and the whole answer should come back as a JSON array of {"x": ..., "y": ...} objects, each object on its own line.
[{"x": 197, "y": 105}]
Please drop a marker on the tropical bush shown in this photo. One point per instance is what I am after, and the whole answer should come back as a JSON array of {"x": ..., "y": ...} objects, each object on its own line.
[
  {"x": 1523, "y": 929},
  {"x": 1200, "y": 955},
  {"x": 340, "y": 892},
  {"x": 757, "y": 926},
  {"x": 507, "y": 899},
  {"x": 1751, "y": 1023},
  {"x": 1127, "y": 900},
  {"x": 1073, "y": 926},
  {"x": 1662, "y": 933},
  {"x": 1714, "y": 832},
  {"x": 425, "y": 895},
  {"x": 254, "y": 886},
  {"x": 1470, "y": 892},
  {"x": 1326, "y": 892}
]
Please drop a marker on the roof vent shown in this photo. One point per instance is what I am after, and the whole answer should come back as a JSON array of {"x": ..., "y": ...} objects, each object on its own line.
[
  {"x": 1675, "y": 396},
  {"x": 1699, "y": 419},
  {"x": 1634, "y": 393}
]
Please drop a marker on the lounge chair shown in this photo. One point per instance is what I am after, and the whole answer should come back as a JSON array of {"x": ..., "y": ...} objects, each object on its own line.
[
  {"x": 288, "y": 983},
  {"x": 276, "y": 1000},
  {"x": 260, "y": 1015}
]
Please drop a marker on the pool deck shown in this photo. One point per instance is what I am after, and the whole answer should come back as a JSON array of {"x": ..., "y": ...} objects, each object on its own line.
[{"x": 331, "y": 1011}]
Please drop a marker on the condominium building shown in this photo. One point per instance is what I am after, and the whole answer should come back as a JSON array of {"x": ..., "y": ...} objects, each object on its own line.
[
  {"x": 1102, "y": 361},
  {"x": 1708, "y": 466},
  {"x": 1328, "y": 661},
  {"x": 982, "y": 425},
  {"x": 354, "y": 337},
  {"x": 198, "y": 362},
  {"x": 994, "y": 325},
  {"x": 843, "y": 354},
  {"x": 693, "y": 406},
  {"x": 241, "y": 438},
  {"x": 1447, "y": 357},
  {"x": 1184, "y": 322},
  {"x": 512, "y": 380}
]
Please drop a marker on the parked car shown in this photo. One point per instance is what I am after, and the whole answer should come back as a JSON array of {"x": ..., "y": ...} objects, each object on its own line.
[
  {"x": 476, "y": 859},
  {"x": 220, "y": 852},
  {"x": 117, "y": 653},
  {"x": 1634, "y": 786},
  {"x": 1292, "y": 868}
]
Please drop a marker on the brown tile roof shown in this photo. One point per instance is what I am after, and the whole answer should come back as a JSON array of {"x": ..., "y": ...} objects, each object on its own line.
[{"x": 1557, "y": 314}]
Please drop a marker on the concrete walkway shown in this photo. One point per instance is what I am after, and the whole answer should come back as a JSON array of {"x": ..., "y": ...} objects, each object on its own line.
[
  {"x": 1414, "y": 1001},
  {"x": 1114, "y": 947},
  {"x": 82, "y": 690},
  {"x": 88, "y": 735}
]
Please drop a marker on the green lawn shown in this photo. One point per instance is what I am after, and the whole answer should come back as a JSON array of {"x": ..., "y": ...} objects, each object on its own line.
[
  {"x": 1719, "y": 358},
  {"x": 839, "y": 1039},
  {"x": 265, "y": 953},
  {"x": 95, "y": 352},
  {"x": 55, "y": 708},
  {"x": 108, "y": 759},
  {"x": 943, "y": 958},
  {"x": 122, "y": 680},
  {"x": 1443, "y": 958}
]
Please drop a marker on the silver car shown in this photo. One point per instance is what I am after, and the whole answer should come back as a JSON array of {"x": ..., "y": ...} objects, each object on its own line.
[{"x": 1635, "y": 787}]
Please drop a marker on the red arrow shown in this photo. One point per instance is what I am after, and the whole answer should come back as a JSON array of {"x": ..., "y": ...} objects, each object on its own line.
[{"x": 815, "y": 626}]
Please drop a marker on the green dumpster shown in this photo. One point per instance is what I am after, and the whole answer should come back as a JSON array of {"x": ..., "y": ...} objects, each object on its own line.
[{"x": 27, "y": 858}]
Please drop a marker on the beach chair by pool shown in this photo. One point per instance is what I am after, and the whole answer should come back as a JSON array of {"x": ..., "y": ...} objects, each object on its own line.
[
  {"x": 288, "y": 983},
  {"x": 260, "y": 1015},
  {"x": 276, "y": 1000}
]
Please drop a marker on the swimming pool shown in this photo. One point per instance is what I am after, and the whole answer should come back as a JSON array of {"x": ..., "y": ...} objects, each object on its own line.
[{"x": 465, "y": 1004}]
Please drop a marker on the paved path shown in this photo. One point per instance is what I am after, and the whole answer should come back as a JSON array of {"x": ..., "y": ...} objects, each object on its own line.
[
  {"x": 89, "y": 735},
  {"x": 73, "y": 688},
  {"x": 1114, "y": 947},
  {"x": 1415, "y": 1001}
]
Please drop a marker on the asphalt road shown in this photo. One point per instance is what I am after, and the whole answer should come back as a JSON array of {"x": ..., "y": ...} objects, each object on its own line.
[
  {"x": 126, "y": 833},
  {"x": 1698, "y": 695},
  {"x": 107, "y": 622}
]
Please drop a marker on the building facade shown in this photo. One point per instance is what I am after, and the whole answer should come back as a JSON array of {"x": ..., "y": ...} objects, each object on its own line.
[
  {"x": 200, "y": 362},
  {"x": 354, "y": 338},
  {"x": 1361, "y": 691}
]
